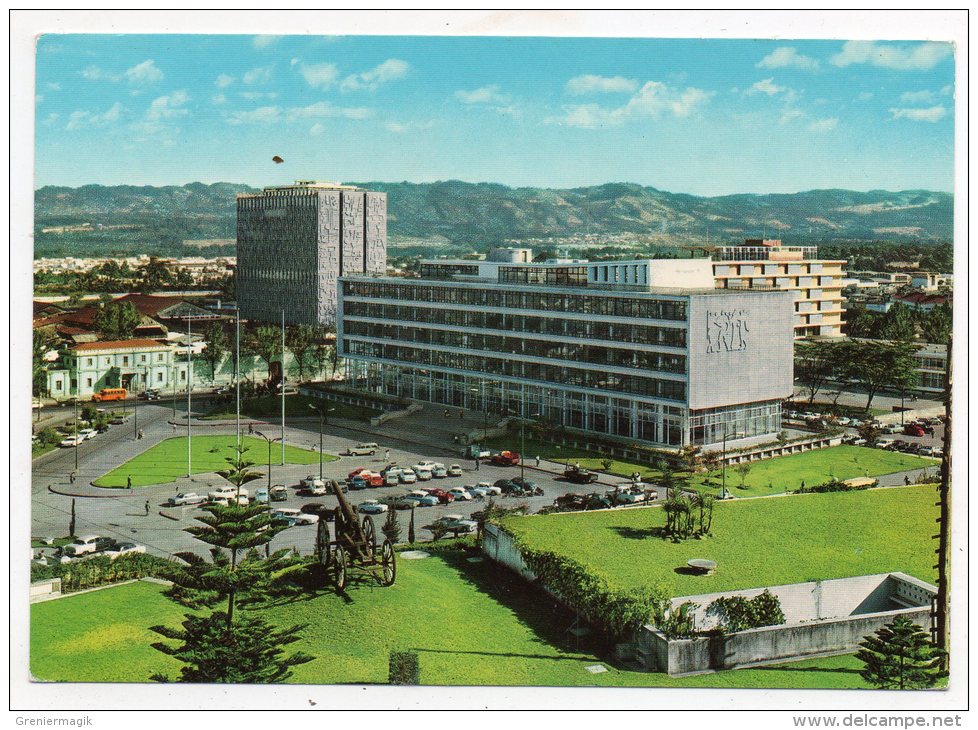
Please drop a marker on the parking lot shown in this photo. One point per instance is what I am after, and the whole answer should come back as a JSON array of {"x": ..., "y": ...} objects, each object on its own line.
[{"x": 123, "y": 514}]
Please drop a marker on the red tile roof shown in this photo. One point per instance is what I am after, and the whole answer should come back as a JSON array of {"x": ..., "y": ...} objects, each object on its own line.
[
  {"x": 119, "y": 345},
  {"x": 922, "y": 298}
]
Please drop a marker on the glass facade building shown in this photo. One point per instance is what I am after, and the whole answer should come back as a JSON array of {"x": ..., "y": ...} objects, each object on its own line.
[{"x": 664, "y": 366}]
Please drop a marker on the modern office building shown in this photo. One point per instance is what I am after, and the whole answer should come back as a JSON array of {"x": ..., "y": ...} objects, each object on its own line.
[
  {"x": 295, "y": 241},
  {"x": 764, "y": 264},
  {"x": 645, "y": 350}
]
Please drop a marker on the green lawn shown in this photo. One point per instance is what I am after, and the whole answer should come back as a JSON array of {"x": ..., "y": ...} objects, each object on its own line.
[
  {"x": 757, "y": 542},
  {"x": 474, "y": 624},
  {"x": 296, "y": 406},
  {"x": 786, "y": 473},
  {"x": 167, "y": 461}
]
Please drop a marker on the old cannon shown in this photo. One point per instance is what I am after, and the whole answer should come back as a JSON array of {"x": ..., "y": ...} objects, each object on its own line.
[{"x": 354, "y": 546}]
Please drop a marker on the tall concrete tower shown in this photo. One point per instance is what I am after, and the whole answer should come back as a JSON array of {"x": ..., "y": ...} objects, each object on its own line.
[{"x": 295, "y": 241}]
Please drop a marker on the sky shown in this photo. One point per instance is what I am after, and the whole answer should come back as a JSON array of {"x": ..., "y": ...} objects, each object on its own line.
[{"x": 705, "y": 117}]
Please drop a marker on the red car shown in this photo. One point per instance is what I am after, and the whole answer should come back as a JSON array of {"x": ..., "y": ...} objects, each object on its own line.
[
  {"x": 443, "y": 496},
  {"x": 373, "y": 478},
  {"x": 913, "y": 429},
  {"x": 506, "y": 458}
]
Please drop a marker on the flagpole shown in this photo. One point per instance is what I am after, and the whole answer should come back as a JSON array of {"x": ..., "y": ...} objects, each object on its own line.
[
  {"x": 190, "y": 370},
  {"x": 237, "y": 377},
  {"x": 283, "y": 387}
]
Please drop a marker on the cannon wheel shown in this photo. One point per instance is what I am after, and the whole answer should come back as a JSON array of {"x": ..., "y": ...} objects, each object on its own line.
[
  {"x": 389, "y": 563},
  {"x": 370, "y": 537},
  {"x": 322, "y": 542},
  {"x": 340, "y": 567}
]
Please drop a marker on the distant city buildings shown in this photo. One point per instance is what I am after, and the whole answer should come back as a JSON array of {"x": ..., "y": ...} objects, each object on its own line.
[
  {"x": 295, "y": 241},
  {"x": 647, "y": 350},
  {"x": 764, "y": 264}
]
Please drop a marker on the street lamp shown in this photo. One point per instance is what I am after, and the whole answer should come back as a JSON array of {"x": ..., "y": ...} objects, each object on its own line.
[
  {"x": 322, "y": 411},
  {"x": 723, "y": 467},
  {"x": 523, "y": 443},
  {"x": 270, "y": 441},
  {"x": 74, "y": 403}
]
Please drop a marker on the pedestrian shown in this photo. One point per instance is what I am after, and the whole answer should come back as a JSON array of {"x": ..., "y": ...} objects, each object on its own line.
[
  {"x": 71, "y": 477},
  {"x": 387, "y": 455},
  {"x": 141, "y": 434},
  {"x": 906, "y": 479},
  {"x": 129, "y": 481},
  {"x": 446, "y": 413},
  {"x": 455, "y": 438},
  {"x": 251, "y": 428},
  {"x": 174, "y": 427},
  {"x": 538, "y": 461},
  {"x": 477, "y": 462},
  {"x": 147, "y": 508},
  {"x": 461, "y": 415},
  {"x": 803, "y": 485}
]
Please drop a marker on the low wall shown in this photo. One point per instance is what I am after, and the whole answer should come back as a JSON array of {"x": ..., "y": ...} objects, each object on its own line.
[
  {"x": 389, "y": 415},
  {"x": 45, "y": 589},
  {"x": 500, "y": 546},
  {"x": 352, "y": 400}
]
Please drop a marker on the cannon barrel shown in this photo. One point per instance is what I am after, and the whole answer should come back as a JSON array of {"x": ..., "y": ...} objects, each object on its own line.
[{"x": 349, "y": 516}]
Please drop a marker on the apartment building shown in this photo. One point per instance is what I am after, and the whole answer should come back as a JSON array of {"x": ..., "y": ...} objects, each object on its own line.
[
  {"x": 765, "y": 264},
  {"x": 647, "y": 350}
]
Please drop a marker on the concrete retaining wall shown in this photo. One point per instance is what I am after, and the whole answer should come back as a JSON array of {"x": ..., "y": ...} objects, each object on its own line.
[
  {"x": 45, "y": 589},
  {"x": 389, "y": 415},
  {"x": 500, "y": 546}
]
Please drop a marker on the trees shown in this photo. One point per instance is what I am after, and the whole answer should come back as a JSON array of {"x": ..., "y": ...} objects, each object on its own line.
[
  {"x": 223, "y": 647},
  {"x": 878, "y": 365},
  {"x": 936, "y": 324},
  {"x": 743, "y": 469},
  {"x": 154, "y": 275},
  {"x": 43, "y": 342},
  {"x": 897, "y": 324},
  {"x": 901, "y": 656},
  {"x": 117, "y": 321},
  {"x": 301, "y": 341},
  {"x": 691, "y": 457},
  {"x": 870, "y": 431},
  {"x": 392, "y": 527},
  {"x": 860, "y": 322},
  {"x": 217, "y": 346},
  {"x": 815, "y": 364},
  {"x": 264, "y": 342}
]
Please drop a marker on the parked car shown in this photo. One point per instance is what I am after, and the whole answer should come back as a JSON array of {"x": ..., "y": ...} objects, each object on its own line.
[
  {"x": 454, "y": 470},
  {"x": 392, "y": 477},
  {"x": 579, "y": 475},
  {"x": 278, "y": 493},
  {"x": 631, "y": 493},
  {"x": 87, "y": 544},
  {"x": 506, "y": 458},
  {"x": 358, "y": 482},
  {"x": 913, "y": 429},
  {"x": 229, "y": 491},
  {"x": 312, "y": 481},
  {"x": 185, "y": 498},
  {"x": 367, "y": 449},
  {"x": 315, "y": 508},
  {"x": 87, "y": 433},
  {"x": 300, "y": 517},
  {"x": 117, "y": 420},
  {"x": 884, "y": 443},
  {"x": 843, "y": 421},
  {"x": 279, "y": 520},
  {"x": 422, "y": 470},
  {"x": 124, "y": 548},
  {"x": 459, "y": 493},
  {"x": 443, "y": 496},
  {"x": 505, "y": 486},
  {"x": 405, "y": 503},
  {"x": 72, "y": 441},
  {"x": 892, "y": 428},
  {"x": 228, "y": 501},
  {"x": 261, "y": 495},
  {"x": 483, "y": 489},
  {"x": 36, "y": 403},
  {"x": 900, "y": 445},
  {"x": 422, "y": 498},
  {"x": 438, "y": 471},
  {"x": 914, "y": 448},
  {"x": 371, "y": 507},
  {"x": 150, "y": 394},
  {"x": 313, "y": 487},
  {"x": 456, "y": 524},
  {"x": 407, "y": 476}
]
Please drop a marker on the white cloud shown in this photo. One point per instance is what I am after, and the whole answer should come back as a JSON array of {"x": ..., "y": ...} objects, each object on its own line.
[
  {"x": 323, "y": 110},
  {"x": 652, "y": 101},
  {"x": 321, "y": 75},
  {"x": 920, "y": 57},
  {"x": 168, "y": 107},
  {"x": 482, "y": 95},
  {"x": 260, "y": 75},
  {"x": 316, "y": 129},
  {"x": 864, "y": 96},
  {"x": 404, "y": 127},
  {"x": 765, "y": 86},
  {"x": 390, "y": 70},
  {"x": 930, "y": 114},
  {"x": 81, "y": 119},
  {"x": 223, "y": 81},
  {"x": 253, "y": 95},
  {"x": 144, "y": 73},
  {"x": 94, "y": 73},
  {"x": 264, "y": 41},
  {"x": 916, "y": 97},
  {"x": 823, "y": 125},
  {"x": 261, "y": 115},
  {"x": 51, "y": 119},
  {"x": 786, "y": 56},
  {"x": 591, "y": 84},
  {"x": 51, "y": 86},
  {"x": 219, "y": 99},
  {"x": 789, "y": 115}
]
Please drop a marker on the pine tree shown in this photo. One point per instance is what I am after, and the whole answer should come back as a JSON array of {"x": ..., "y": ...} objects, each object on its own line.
[
  {"x": 411, "y": 528},
  {"x": 901, "y": 656},
  {"x": 222, "y": 646},
  {"x": 392, "y": 527}
]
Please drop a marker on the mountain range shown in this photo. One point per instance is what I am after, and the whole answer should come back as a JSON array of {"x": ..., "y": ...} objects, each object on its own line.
[{"x": 454, "y": 216}]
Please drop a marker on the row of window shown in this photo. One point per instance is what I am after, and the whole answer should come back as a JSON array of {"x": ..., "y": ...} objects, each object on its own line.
[
  {"x": 591, "y": 354},
  {"x": 90, "y": 361},
  {"x": 516, "y": 368},
  {"x": 583, "y": 329},
  {"x": 558, "y": 276},
  {"x": 542, "y": 301}
]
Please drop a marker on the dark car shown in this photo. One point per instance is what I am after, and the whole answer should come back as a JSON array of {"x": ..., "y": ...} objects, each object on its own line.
[
  {"x": 318, "y": 508},
  {"x": 117, "y": 421},
  {"x": 913, "y": 429},
  {"x": 529, "y": 488},
  {"x": 597, "y": 501},
  {"x": 506, "y": 486},
  {"x": 105, "y": 543},
  {"x": 579, "y": 475}
]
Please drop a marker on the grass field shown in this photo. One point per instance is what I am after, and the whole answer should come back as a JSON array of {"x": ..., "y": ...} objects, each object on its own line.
[
  {"x": 487, "y": 627},
  {"x": 296, "y": 406},
  {"x": 757, "y": 542},
  {"x": 786, "y": 473},
  {"x": 167, "y": 461}
]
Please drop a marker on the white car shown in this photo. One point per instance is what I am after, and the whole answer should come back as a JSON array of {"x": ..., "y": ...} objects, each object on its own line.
[
  {"x": 185, "y": 498},
  {"x": 456, "y": 523},
  {"x": 81, "y": 546},
  {"x": 884, "y": 443},
  {"x": 368, "y": 449},
  {"x": 459, "y": 494},
  {"x": 438, "y": 471},
  {"x": 300, "y": 518},
  {"x": 843, "y": 421},
  {"x": 228, "y": 501},
  {"x": 125, "y": 548},
  {"x": 422, "y": 471},
  {"x": 228, "y": 492},
  {"x": 484, "y": 489},
  {"x": 392, "y": 477},
  {"x": 892, "y": 428},
  {"x": 407, "y": 476},
  {"x": 426, "y": 465},
  {"x": 87, "y": 433},
  {"x": 36, "y": 403},
  {"x": 371, "y": 507},
  {"x": 311, "y": 481},
  {"x": 72, "y": 441},
  {"x": 454, "y": 470}
]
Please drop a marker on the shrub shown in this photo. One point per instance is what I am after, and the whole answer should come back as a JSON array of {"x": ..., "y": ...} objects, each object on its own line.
[
  {"x": 102, "y": 570},
  {"x": 834, "y": 485},
  {"x": 404, "y": 668},
  {"x": 736, "y": 613},
  {"x": 677, "y": 623}
]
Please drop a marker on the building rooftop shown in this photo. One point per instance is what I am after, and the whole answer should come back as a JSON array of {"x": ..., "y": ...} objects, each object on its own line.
[
  {"x": 118, "y": 345},
  {"x": 299, "y": 186}
]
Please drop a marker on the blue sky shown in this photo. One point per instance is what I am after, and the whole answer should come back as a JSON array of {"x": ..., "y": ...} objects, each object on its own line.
[{"x": 706, "y": 117}]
